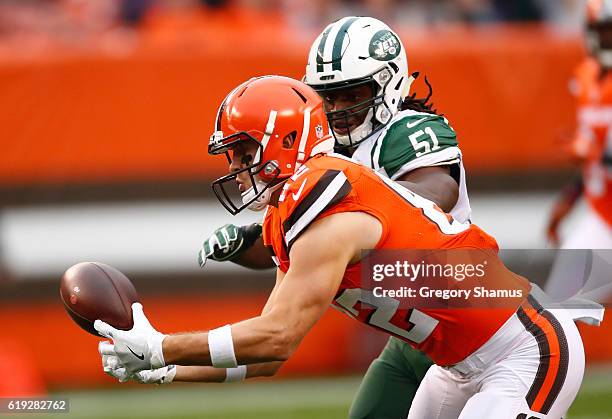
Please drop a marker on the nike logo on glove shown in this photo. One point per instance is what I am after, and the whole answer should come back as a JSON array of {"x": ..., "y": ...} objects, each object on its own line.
[{"x": 141, "y": 356}]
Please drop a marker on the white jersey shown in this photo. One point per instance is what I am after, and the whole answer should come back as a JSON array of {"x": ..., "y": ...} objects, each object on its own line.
[{"x": 412, "y": 140}]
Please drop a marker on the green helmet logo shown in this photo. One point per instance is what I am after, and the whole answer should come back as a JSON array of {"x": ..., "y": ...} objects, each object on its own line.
[{"x": 384, "y": 46}]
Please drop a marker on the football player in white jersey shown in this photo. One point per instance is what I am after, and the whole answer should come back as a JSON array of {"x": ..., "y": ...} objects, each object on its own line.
[{"x": 359, "y": 67}]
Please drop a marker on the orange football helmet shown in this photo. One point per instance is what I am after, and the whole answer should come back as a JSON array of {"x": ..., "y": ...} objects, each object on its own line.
[{"x": 285, "y": 119}]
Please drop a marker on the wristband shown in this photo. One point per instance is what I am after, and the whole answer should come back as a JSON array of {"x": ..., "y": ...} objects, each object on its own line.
[
  {"x": 235, "y": 374},
  {"x": 221, "y": 347}
]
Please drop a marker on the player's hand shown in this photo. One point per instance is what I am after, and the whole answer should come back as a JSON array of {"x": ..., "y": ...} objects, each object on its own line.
[
  {"x": 111, "y": 364},
  {"x": 139, "y": 348},
  {"x": 228, "y": 242},
  {"x": 163, "y": 375},
  {"x": 113, "y": 367}
]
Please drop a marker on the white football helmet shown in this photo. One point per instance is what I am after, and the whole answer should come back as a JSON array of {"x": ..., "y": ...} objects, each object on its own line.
[
  {"x": 599, "y": 31},
  {"x": 355, "y": 51}
]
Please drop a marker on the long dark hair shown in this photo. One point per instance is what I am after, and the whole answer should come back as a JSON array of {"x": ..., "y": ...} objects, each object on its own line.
[{"x": 420, "y": 104}]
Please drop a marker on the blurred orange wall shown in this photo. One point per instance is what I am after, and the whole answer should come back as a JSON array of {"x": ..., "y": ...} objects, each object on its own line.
[
  {"x": 67, "y": 356},
  {"x": 75, "y": 116}
]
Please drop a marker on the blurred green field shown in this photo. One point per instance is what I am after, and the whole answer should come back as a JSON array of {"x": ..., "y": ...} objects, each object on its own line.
[{"x": 291, "y": 399}]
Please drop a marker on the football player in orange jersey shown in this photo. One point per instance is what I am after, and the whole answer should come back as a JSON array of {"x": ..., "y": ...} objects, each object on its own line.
[
  {"x": 592, "y": 87},
  {"x": 359, "y": 66},
  {"x": 513, "y": 361}
]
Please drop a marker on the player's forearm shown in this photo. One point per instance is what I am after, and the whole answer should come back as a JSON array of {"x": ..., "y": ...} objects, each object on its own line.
[
  {"x": 191, "y": 374},
  {"x": 443, "y": 195},
  {"x": 433, "y": 183},
  {"x": 572, "y": 192},
  {"x": 563, "y": 206},
  {"x": 265, "y": 369},
  {"x": 198, "y": 374},
  {"x": 255, "y": 257},
  {"x": 257, "y": 340}
]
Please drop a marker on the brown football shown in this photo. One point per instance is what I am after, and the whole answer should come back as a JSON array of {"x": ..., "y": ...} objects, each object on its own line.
[{"x": 93, "y": 290}]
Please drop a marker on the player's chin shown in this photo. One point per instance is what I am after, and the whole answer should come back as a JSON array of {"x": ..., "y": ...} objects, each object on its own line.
[{"x": 342, "y": 130}]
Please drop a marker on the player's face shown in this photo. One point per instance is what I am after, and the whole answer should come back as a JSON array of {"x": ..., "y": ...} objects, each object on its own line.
[
  {"x": 337, "y": 100},
  {"x": 243, "y": 155}
]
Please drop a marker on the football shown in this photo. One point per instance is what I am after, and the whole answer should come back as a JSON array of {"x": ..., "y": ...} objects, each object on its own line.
[{"x": 93, "y": 290}]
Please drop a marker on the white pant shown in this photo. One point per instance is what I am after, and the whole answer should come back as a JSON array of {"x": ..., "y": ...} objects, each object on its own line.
[{"x": 511, "y": 374}]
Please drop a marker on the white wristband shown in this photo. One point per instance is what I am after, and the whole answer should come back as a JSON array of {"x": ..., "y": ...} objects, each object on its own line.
[
  {"x": 221, "y": 347},
  {"x": 235, "y": 374}
]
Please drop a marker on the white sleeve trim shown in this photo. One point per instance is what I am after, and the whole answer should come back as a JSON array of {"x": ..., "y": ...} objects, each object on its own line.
[
  {"x": 315, "y": 209},
  {"x": 450, "y": 155}
]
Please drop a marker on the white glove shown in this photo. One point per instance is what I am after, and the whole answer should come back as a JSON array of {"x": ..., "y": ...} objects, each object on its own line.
[
  {"x": 137, "y": 349},
  {"x": 112, "y": 366},
  {"x": 110, "y": 362},
  {"x": 163, "y": 375}
]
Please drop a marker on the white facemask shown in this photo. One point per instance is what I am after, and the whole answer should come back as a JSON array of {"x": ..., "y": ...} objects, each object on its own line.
[
  {"x": 358, "y": 133},
  {"x": 263, "y": 200}
]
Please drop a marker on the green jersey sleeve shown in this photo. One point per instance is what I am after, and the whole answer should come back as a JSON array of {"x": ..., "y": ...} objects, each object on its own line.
[{"x": 413, "y": 140}]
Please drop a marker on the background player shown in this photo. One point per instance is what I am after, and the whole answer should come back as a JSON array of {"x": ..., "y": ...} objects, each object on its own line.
[
  {"x": 328, "y": 210},
  {"x": 359, "y": 67},
  {"x": 592, "y": 87}
]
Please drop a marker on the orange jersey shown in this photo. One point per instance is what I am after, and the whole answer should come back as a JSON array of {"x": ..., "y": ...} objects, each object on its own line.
[
  {"x": 594, "y": 138},
  {"x": 331, "y": 184}
]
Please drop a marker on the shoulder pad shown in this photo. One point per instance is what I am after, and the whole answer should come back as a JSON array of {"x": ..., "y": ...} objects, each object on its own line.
[
  {"x": 308, "y": 194},
  {"x": 410, "y": 136}
]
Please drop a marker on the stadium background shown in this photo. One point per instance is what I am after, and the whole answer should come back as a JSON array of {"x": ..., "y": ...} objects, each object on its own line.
[{"x": 105, "y": 112}]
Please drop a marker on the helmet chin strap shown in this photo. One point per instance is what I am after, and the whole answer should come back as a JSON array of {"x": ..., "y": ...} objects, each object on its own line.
[{"x": 262, "y": 201}]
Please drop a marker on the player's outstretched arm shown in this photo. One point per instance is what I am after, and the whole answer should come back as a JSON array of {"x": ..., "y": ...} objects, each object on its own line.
[
  {"x": 242, "y": 245},
  {"x": 318, "y": 261},
  {"x": 255, "y": 257},
  {"x": 168, "y": 374},
  {"x": 563, "y": 206},
  {"x": 189, "y": 374},
  {"x": 434, "y": 183},
  {"x": 196, "y": 374}
]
